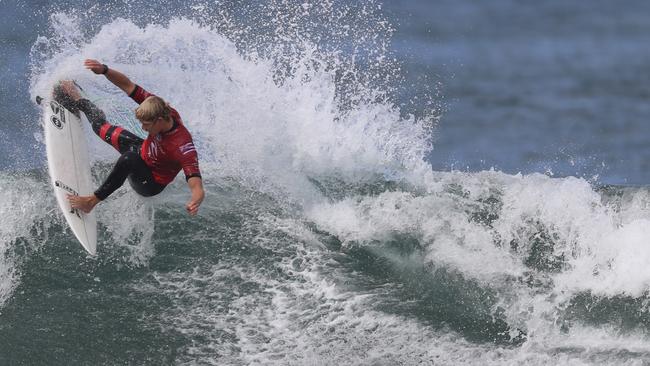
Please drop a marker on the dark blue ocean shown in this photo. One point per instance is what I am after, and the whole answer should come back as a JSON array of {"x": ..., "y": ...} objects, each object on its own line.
[{"x": 388, "y": 183}]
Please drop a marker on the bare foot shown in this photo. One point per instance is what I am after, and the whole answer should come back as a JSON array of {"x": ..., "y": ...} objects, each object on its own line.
[
  {"x": 83, "y": 203},
  {"x": 70, "y": 88}
]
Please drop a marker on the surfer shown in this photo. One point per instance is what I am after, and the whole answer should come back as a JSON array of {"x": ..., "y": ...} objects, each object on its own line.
[{"x": 151, "y": 163}]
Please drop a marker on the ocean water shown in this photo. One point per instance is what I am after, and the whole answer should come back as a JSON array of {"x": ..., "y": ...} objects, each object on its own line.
[{"x": 388, "y": 183}]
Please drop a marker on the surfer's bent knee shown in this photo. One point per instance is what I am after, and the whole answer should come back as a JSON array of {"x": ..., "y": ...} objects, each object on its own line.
[{"x": 129, "y": 158}]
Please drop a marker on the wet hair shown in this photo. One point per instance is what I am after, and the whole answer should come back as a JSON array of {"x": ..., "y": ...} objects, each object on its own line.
[{"x": 152, "y": 108}]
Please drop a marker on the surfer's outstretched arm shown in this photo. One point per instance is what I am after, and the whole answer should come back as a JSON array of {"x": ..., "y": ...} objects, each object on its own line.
[{"x": 120, "y": 80}]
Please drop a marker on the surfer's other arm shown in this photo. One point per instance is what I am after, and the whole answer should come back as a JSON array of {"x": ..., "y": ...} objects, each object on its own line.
[
  {"x": 189, "y": 159},
  {"x": 196, "y": 187},
  {"x": 120, "y": 80}
]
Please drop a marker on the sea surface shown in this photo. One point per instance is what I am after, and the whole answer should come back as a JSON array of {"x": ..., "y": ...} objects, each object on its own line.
[{"x": 388, "y": 183}]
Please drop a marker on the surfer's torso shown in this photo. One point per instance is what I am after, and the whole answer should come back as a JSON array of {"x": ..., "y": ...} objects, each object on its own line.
[{"x": 168, "y": 152}]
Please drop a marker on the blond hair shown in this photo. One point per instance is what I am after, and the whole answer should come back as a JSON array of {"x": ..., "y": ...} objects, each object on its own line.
[{"x": 152, "y": 108}]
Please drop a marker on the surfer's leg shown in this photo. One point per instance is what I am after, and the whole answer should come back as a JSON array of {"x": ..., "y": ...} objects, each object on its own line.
[
  {"x": 122, "y": 140},
  {"x": 67, "y": 93},
  {"x": 130, "y": 165}
]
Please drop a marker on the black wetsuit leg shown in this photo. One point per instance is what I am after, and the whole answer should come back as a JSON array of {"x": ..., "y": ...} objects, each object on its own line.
[
  {"x": 122, "y": 140},
  {"x": 130, "y": 164}
]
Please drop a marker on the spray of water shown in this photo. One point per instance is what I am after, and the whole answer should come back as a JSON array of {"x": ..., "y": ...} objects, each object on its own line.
[
  {"x": 306, "y": 114},
  {"x": 24, "y": 206}
]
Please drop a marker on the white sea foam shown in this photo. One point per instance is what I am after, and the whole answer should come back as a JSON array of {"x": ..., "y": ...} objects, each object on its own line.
[
  {"x": 24, "y": 205},
  {"x": 308, "y": 317},
  {"x": 129, "y": 220},
  {"x": 277, "y": 136},
  {"x": 600, "y": 255}
]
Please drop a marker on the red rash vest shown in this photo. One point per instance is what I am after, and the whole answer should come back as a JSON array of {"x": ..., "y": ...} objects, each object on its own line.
[{"x": 169, "y": 152}]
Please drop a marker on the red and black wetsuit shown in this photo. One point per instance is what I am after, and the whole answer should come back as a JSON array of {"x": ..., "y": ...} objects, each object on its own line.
[{"x": 150, "y": 164}]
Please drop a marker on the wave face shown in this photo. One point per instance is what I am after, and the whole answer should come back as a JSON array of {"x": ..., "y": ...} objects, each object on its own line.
[{"x": 325, "y": 237}]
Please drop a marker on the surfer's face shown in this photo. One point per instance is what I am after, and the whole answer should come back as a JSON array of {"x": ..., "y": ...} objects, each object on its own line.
[{"x": 152, "y": 127}]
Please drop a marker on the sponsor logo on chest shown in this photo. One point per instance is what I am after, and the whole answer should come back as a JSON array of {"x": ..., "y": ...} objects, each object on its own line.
[{"x": 156, "y": 148}]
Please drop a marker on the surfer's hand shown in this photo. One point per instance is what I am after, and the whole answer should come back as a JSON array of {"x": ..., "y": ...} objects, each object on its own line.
[
  {"x": 94, "y": 66},
  {"x": 192, "y": 207},
  {"x": 83, "y": 203}
]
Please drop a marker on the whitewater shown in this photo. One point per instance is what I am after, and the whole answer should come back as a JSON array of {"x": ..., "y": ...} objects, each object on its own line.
[{"x": 326, "y": 238}]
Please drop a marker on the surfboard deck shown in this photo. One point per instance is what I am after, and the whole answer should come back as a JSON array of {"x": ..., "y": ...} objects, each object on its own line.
[{"x": 69, "y": 167}]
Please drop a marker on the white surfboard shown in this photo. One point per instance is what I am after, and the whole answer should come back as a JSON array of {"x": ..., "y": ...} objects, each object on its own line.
[{"x": 69, "y": 166}]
